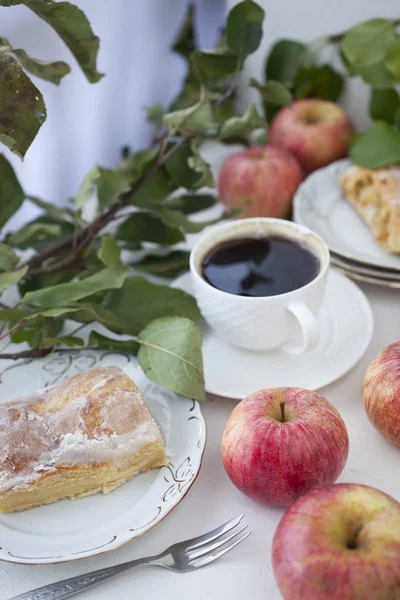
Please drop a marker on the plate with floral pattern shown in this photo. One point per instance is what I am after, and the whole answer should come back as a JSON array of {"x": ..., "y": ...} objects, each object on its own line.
[{"x": 74, "y": 529}]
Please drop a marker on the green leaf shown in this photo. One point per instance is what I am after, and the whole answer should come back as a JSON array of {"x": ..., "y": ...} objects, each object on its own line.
[
  {"x": 111, "y": 182},
  {"x": 11, "y": 277},
  {"x": 54, "y": 296},
  {"x": 22, "y": 110},
  {"x": 32, "y": 232},
  {"x": 88, "y": 312},
  {"x": 244, "y": 28},
  {"x": 188, "y": 95},
  {"x": 192, "y": 203},
  {"x": 366, "y": 48},
  {"x": 73, "y": 27},
  {"x": 51, "y": 313},
  {"x": 273, "y": 92},
  {"x": 212, "y": 66},
  {"x": 376, "y": 147},
  {"x": 318, "y": 82},
  {"x": 180, "y": 171},
  {"x": 368, "y": 43},
  {"x": 138, "y": 302},
  {"x": 141, "y": 161},
  {"x": 177, "y": 167},
  {"x": 11, "y": 193},
  {"x": 170, "y": 265},
  {"x": 109, "y": 252},
  {"x": 106, "y": 343},
  {"x": 170, "y": 355},
  {"x": 384, "y": 104},
  {"x": 197, "y": 163},
  {"x": 144, "y": 227},
  {"x": 36, "y": 330},
  {"x": 284, "y": 60},
  {"x": 34, "y": 282},
  {"x": 154, "y": 114},
  {"x": 86, "y": 188},
  {"x": 195, "y": 119},
  {"x": 55, "y": 213},
  {"x": 377, "y": 75},
  {"x": 66, "y": 340},
  {"x": 176, "y": 218},
  {"x": 8, "y": 259},
  {"x": 242, "y": 126},
  {"x": 50, "y": 71},
  {"x": 39, "y": 235},
  {"x": 393, "y": 58},
  {"x": 184, "y": 43},
  {"x": 155, "y": 190}
]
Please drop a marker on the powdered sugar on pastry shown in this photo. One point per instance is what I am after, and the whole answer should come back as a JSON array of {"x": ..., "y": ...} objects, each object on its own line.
[{"x": 96, "y": 416}]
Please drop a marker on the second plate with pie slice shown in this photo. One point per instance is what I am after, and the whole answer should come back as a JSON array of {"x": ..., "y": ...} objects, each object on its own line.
[{"x": 321, "y": 205}]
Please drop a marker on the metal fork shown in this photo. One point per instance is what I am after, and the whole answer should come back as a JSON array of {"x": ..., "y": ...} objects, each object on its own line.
[{"x": 182, "y": 557}]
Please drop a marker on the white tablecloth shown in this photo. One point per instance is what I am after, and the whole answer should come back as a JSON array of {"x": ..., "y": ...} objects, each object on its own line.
[{"x": 245, "y": 572}]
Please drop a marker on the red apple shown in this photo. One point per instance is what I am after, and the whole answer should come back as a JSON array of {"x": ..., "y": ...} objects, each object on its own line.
[
  {"x": 262, "y": 181},
  {"x": 281, "y": 443},
  {"x": 316, "y": 132},
  {"x": 339, "y": 543},
  {"x": 381, "y": 393}
]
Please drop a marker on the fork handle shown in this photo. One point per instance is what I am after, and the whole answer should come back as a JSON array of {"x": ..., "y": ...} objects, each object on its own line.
[{"x": 75, "y": 585}]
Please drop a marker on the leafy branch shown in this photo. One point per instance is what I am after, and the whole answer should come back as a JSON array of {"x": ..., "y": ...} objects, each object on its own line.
[{"x": 89, "y": 270}]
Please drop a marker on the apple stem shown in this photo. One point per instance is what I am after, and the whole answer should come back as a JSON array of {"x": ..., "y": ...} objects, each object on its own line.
[
  {"x": 282, "y": 405},
  {"x": 353, "y": 544}
]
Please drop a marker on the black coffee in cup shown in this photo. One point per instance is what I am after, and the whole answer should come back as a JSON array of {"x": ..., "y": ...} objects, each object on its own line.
[{"x": 257, "y": 267}]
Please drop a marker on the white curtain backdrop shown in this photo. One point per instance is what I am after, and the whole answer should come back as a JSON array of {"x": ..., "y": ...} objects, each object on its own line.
[{"x": 89, "y": 123}]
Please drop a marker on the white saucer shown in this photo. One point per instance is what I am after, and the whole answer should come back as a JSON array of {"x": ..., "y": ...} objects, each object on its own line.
[{"x": 346, "y": 325}]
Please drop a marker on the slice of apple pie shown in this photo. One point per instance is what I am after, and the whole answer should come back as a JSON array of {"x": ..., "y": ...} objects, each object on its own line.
[
  {"x": 375, "y": 194},
  {"x": 87, "y": 434}
]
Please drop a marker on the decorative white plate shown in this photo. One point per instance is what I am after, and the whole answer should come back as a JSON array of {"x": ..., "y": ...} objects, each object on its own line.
[
  {"x": 346, "y": 325},
  {"x": 320, "y": 204},
  {"x": 74, "y": 529}
]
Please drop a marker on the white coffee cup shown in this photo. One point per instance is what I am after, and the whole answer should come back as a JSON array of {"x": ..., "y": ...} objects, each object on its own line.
[{"x": 287, "y": 321}]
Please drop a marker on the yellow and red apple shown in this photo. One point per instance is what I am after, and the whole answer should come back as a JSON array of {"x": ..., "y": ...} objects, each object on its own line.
[
  {"x": 280, "y": 443},
  {"x": 261, "y": 181},
  {"x": 315, "y": 131},
  {"x": 381, "y": 392},
  {"x": 339, "y": 543}
]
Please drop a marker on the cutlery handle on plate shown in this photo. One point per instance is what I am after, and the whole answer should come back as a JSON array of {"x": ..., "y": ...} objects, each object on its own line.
[{"x": 75, "y": 585}]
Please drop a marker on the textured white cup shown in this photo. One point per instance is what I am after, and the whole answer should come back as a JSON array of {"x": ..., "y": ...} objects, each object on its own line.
[{"x": 286, "y": 320}]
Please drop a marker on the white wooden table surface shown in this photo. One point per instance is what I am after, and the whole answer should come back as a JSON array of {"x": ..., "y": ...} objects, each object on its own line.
[{"x": 246, "y": 571}]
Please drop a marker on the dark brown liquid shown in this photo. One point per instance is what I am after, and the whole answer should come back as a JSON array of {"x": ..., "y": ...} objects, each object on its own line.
[{"x": 259, "y": 266}]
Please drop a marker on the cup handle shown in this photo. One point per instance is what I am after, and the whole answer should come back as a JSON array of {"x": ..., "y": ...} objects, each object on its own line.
[{"x": 309, "y": 327}]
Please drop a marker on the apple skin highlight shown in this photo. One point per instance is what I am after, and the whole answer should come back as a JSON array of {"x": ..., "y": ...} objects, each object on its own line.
[
  {"x": 315, "y": 131},
  {"x": 261, "y": 181},
  {"x": 275, "y": 462},
  {"x": 381, "y": 393},
  {"x": 339, "y": 543}
]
